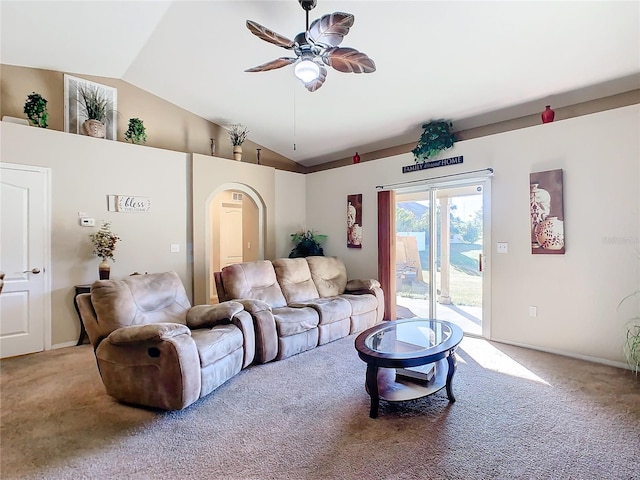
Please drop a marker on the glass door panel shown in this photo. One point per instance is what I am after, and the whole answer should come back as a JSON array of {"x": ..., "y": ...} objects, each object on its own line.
[{"x": 439, "y": 254}]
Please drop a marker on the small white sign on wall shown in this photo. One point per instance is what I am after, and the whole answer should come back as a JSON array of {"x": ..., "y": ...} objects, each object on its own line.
[{"x": 128, "y": 203}]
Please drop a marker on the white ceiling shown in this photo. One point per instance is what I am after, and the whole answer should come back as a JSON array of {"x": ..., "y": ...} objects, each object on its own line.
[{"x": 469, "y": 62}]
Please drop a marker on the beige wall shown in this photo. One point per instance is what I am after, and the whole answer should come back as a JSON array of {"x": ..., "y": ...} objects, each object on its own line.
[
  {"x": 290, "y": 216},
  {"x": 576, "y": 293},
  {"x": 84, "y": 171},
  {"x": 168, "y": 126},
  {"x": 211, "y": 176}
]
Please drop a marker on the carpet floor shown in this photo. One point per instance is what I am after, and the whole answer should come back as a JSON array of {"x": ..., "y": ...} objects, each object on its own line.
[{"x": 519, "y": 414}]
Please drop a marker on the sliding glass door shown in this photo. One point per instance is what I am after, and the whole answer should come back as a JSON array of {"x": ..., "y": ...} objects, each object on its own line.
[{"x": 440, "y": 242}]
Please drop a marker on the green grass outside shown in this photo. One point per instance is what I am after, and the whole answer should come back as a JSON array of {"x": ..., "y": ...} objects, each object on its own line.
[{"x": 466, "y": 280}]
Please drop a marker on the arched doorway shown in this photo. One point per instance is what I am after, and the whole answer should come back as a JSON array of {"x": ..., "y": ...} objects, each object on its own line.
[{"x": 235, "y": 230}]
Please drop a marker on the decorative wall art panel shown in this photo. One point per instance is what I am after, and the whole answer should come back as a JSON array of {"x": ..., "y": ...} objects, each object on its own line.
[
  {"x": 354, "y": 221},
  {"x": 546, "y": 212},
  {"x": 90, "y": 108}
]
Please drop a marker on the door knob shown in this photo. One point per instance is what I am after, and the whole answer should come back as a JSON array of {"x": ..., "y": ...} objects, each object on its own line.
[{"x": 34, "y": 271}]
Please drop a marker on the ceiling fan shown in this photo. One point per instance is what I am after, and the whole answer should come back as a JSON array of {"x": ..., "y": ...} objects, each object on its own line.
[{"x": 314, "y": 48}]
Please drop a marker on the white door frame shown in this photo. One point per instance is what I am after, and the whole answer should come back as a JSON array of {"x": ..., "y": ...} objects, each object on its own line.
[{"x": 46, "y": 239}]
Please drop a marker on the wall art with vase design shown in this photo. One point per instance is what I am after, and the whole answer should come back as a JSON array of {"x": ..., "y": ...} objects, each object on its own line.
[
  {"x": 354, "y": 221},
  {"x": 546, "y": 212}
]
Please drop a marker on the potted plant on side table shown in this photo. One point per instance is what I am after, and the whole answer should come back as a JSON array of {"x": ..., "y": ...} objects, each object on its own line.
[{"x": 104, "y": 244}]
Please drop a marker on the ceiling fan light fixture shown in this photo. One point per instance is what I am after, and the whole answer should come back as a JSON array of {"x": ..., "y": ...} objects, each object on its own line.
[{"x": 307, "y": 70}]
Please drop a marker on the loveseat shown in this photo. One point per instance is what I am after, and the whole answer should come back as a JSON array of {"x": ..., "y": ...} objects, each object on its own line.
[
  {"x": 300, "y": 303},
  {"x": 154, "y": 349}
]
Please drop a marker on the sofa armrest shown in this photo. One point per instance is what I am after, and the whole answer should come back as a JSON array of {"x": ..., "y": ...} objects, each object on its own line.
[
  {"x": 153, "y": 332},
  {"x": 254, "y": 306},
  {"x": 244, "y": 322},
  {"x": 209, "y": 315},
  {"x": 357, "y": 285}
]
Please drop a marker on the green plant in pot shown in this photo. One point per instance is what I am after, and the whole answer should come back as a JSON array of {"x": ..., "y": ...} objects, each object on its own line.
[
  {"x": 436, "y": 137},
  {"x": 136, "y": 133},
  {"x": 36, "y": 109},
  {"x": 307, "y": 244},
  {"x": 96, "y": 107},
  {"x": 631, "y": 346}
]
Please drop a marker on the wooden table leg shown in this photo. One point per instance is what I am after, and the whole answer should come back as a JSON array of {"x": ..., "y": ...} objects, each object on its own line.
[
  {"x": 372, "y": 387},
  {"x": 451, "y": 360}
]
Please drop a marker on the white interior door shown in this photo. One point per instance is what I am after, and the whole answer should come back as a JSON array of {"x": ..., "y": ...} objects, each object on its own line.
[
  {"x": 230, "y": 234},
  {"x": 24, "y": 254}
]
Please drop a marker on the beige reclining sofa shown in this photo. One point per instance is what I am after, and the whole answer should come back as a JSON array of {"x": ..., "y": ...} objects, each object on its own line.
[
  {"x": 300, "y": 303},
  {"x": 154, "y": 349}
]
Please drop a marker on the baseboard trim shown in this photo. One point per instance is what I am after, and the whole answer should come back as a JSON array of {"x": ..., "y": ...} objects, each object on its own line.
[
  {"x": 586, "y": 358},
  {"x": 64, "y": 345}
]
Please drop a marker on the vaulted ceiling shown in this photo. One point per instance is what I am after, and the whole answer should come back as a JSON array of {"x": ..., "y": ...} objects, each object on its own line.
[{"x": 470, "y": 62}]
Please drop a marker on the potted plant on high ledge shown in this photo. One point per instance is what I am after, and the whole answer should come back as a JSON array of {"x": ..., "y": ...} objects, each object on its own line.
[
  {"x": 237, "y": 136},
  {"x": 436, "y": 137},
  {"x": 36, "y": 109},
  {"x": 96, "y": 107},
  {"x": 136, "y": 133}
]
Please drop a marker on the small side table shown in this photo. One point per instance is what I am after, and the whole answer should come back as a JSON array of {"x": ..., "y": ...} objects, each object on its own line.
[{"x": 81, "y": 289}]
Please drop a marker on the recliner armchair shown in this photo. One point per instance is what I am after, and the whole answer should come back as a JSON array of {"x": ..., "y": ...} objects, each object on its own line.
[{"x": 154, "y": 349}]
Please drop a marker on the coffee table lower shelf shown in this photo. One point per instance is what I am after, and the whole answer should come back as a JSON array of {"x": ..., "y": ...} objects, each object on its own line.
[{"x": 394, "y": 388}]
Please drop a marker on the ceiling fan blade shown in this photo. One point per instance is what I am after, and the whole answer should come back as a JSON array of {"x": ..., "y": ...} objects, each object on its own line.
[
  {"x": 349, "y": 60},
  {"x": 329, "y": 30},
  {"x": 272, "y": 65},
  {"x": 318, "y": 82},
  {"x": 268, "y": 35}
]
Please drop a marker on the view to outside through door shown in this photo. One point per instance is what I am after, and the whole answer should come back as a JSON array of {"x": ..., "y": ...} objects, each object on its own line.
[{"x": 455, "y": 291}]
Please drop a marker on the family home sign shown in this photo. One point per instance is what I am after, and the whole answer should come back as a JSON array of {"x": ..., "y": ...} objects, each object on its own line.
[
  {"x": 128, "y": 203},
  {"x": 432, "y": 164}
]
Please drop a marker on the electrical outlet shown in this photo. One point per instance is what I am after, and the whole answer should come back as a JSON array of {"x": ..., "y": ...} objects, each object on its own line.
[
  {"x": 175, "y": 248},
  {"x": 502, "y": 247},
  {"x": 533, "y": 311}
]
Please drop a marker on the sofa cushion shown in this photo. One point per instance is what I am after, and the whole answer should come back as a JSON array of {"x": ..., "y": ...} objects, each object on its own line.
[
  {"x": 253, "y": 280},
  {"x": 291, "y": 321},
  {"x": 139, "y": 300},
  {"x": 329, "y": 275},
  {"x": 216, "y": 343},
  {"x": 361, "y": 303},
  {"x": 295, "y": 281},
  {"x": 330, "y": 310}
]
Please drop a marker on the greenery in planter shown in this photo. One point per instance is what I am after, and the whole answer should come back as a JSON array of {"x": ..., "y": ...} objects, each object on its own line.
[
  {"x": 95, "y": 105},
  {"x": 136, "y": 133},
  {"x": 237, "y": 134},
  {"x": 307, "y": 244},
  {"x": 36, "y": 109},
  {"x": 631, "y": 347},
  {"x": 436, "y": 137}
]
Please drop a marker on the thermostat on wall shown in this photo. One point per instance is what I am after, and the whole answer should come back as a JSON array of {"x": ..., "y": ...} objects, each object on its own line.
[{"x": 88, "y": 222}]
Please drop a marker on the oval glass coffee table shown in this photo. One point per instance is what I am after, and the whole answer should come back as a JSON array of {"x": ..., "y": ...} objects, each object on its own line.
[{"x": 408, "y": 359}]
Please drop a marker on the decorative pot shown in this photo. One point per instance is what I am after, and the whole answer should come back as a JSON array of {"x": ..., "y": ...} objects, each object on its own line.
[
  {"x": 548, "y": 115},
  {"x": 94, "y": 128},
  {"x": 550, "y": 233},
  {"x": 356, "y": 158},
  {"x": 237, "y": 152},
  {"x": 104, "y": 269},
  {"x": 539, "y": 206}
]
